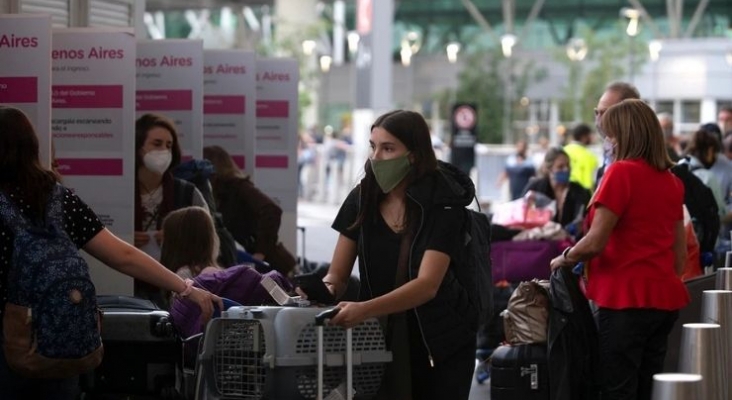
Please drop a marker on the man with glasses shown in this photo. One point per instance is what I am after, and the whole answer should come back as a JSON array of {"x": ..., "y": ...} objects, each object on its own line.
[
  {"x": 614, "y": 94},
  {"x": 724, "y": 119},
  {"x": 695, "y": 190}
]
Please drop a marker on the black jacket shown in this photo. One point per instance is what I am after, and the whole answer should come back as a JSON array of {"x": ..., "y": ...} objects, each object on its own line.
[
  {"x": 575, "y": 203},
  {"x": 448, "y": 322},
  {"x": 572, "y": 347},
  {"x": 250, "y": 215}
]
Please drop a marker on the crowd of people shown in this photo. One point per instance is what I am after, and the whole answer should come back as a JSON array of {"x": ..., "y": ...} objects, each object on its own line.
[
  {"x": 634, "y": 244},
  {"x": 403, "y": 223},
  {"x": 704, "y": 152}
]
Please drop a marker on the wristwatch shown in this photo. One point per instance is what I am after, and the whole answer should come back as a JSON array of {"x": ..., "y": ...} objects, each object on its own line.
[{"x": 565, "y": 253}]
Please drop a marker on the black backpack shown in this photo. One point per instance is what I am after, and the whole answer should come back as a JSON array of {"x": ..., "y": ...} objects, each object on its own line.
[
  {"x": 474, "y": 272},
  {"x": 699, "y": 200},
  {"x": 197, "y": 173}
]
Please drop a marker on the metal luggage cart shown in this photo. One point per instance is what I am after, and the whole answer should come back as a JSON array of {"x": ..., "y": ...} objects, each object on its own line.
[{"x": 271, "y": 353}]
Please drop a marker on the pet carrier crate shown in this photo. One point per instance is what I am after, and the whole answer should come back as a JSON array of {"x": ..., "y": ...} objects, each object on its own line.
[{"x": 271, "y": 353}]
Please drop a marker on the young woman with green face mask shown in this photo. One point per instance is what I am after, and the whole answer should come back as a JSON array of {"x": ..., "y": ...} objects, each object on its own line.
[{"x": 404, "y": 222}]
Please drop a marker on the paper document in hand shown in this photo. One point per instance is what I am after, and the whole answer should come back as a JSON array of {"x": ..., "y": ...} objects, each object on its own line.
[{"x": 280, "y": 296}]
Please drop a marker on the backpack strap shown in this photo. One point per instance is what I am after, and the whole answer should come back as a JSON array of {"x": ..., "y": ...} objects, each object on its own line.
[
  {"x": 11, "y": 215},
  {"x": 182, "y": 193}
]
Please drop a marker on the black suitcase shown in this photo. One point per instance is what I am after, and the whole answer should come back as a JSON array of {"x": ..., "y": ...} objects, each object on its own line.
[
  {"x": 490, "y": 334},
  {"x": 141, "y": 352},
  {"x": 520, "y": 372}
]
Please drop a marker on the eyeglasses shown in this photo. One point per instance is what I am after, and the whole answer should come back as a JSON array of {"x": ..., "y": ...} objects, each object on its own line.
[{"x": 598, "y": 112}]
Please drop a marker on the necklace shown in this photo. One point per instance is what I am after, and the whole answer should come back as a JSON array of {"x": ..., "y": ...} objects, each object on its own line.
[
  {"x": 151, "y": 192},
  {"x": 151, "y": 199},
  {"x": 393, "y": 215}
]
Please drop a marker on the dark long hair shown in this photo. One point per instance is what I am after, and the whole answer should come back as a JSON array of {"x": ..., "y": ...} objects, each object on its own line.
[
  {"x": 143, "y": 126},
  {"x": 701, "y": 141},
  {"x": 189, "y": 238},
  {"x": 20, "y": 167},
  {"x": 411, "y": 129},
  {"x": 224, "y": 165}
]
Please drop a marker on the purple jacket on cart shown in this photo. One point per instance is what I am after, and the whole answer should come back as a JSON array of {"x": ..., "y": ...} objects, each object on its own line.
[{"x": 239, "y": 283}]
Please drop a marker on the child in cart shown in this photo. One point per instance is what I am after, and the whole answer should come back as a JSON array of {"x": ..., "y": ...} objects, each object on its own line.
[{"x": 190, "y": 249}]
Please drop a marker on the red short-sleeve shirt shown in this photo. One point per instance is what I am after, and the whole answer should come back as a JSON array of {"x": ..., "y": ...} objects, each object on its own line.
[{"x": 636, "y": 268}]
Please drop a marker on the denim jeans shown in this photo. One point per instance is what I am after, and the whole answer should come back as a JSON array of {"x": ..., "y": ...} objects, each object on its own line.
[
  {"x": 16, "y": 387},
  {"x": 632, "y": 349}
]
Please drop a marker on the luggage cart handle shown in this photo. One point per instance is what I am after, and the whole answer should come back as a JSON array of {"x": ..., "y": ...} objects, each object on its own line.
[
  {"x": 326, "y": 315},
  {"x": 320, "y": 322}
]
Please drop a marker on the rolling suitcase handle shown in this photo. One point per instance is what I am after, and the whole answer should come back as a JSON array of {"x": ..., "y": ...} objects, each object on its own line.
[
  {"x": 303, "y": 262},
  {"x": 320, "y": 320}
]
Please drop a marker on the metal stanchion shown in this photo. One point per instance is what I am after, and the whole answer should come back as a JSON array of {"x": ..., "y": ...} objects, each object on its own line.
[
  {"x": 701, "y": 353},
  {"x": 717, "y": 309},
  {"x": 677, "y": 387},
  {"x": 724, "y": 278}
]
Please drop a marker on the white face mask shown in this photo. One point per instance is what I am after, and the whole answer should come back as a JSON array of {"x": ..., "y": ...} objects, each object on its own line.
[{"x": 157, "y": 161}]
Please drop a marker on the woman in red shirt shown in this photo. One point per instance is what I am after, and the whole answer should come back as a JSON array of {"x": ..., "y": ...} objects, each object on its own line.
[{"x": 634, "y": 250}]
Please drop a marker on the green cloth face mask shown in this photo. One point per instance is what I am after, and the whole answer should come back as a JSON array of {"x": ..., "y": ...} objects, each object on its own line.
[{"x": 389, "y": 173}]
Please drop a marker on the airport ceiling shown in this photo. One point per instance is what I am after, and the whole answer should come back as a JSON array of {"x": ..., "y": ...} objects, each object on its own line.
[
  {"x": 561, "y": 15},
  {"x": 492, "y": 10},
  {"x": 451, "y": 17},
  {"x": 156, "y": 5},
  {"x": 440, "y": 11}
]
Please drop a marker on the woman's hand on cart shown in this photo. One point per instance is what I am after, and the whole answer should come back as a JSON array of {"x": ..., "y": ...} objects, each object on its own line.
[
  {"x": 205, "y": 301},
  {"x": 350, "y": 314}
]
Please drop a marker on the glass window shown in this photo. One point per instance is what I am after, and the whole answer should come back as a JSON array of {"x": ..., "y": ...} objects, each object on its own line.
[
  {"x": 665, "y": 107},
  {"x": 691, "y": 111},
  {"x": 723, "y": 103}
]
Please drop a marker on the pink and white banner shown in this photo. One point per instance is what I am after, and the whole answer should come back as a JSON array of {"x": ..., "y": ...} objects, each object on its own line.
[
  {"x": 93, "y": 125},
  {"x": 25, "y": 71},
  {"x": 229, "y": 88},
  {"x": 275, "y": 164},
  {"x": 170, "y": 82}
]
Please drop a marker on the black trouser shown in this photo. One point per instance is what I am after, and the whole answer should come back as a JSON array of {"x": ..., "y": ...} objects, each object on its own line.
[
  {"x": 448, "y": 379},
  {"x": 632, "y": 350}
]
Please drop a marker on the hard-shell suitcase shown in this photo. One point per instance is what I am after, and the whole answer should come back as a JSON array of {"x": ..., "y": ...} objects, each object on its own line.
[
  {"x": 520, "y": 372},
  {"x": 141, "y": 351},
  {"x": 523, "y": 260}
]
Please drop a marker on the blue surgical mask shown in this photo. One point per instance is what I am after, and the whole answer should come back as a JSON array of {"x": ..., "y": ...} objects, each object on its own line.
[
  {"x": 608, "y": 150},
  {"x": 598, "y": 127},
  {"x": 561, "y": 177}
]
